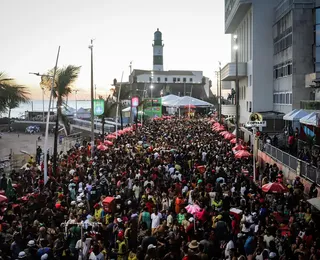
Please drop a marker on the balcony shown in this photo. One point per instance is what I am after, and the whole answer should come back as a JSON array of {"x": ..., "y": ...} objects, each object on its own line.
[
  {"x": 235, "y": 10},
  {"x": 310, "y": 104},
  {"x": 228, "y": 72},
  {"x": 228, "y": 110}
]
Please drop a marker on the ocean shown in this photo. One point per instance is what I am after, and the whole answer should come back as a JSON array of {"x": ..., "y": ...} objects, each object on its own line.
[{"x": 37, "y": 105}]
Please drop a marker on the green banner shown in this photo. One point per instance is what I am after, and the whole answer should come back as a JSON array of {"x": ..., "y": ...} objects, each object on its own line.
[
  {"x": 153, "y": 107},
  {"x": 98, "y": 107}
]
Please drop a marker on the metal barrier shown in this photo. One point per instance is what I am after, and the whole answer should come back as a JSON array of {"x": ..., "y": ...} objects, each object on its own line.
[
  {"x": 309, "y": 171},
  {"x": 279, "y": 155}
]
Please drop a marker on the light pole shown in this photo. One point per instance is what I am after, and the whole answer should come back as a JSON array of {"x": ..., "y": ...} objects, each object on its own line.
[
  {"x": 75, "y": 98},
  {"x": 131, "y": 92},
  {"x": 117, "y": 110},
  {"x": 220, "y": 98},
  {"x": 45, "y": 173},
  {"x": 42, "y": 104},
  {"x": 151, "y": 88},
  {"x": 235, "y": 37},
  {"x": 92, "y": 104},
  {"x": 218, "y": 109}
]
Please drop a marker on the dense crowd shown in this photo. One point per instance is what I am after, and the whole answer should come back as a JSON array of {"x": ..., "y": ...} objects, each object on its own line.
[{"x": 172, "y": 189}]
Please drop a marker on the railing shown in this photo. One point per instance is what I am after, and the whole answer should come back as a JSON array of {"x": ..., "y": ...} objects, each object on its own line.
[
  {"x": 310, "y": 172},
  {"x": 310, "y": 104},
  {"x": 279, "y": 155}
]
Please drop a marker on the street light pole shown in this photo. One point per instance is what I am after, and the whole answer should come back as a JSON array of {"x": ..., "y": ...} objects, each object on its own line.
[
  {"x": 42, "y": 104},
  {"x": 131, "y": 93},
  {"x": 220, "y": 97},
  {"x": 92, "y": 104},
  {"x": 75, "y": 97},
  {"x": 151, "y": 88},
  {"x": 117, "y": 110},
  {"x": 45, "y": 163},
  {"x": 237, "y": 90}
]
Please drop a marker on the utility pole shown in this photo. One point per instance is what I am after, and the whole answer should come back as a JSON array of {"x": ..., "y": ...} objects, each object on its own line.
[
  {"x": 218, "y": 108},
  {"x": 131, "y": 93},
  {"x": 220, "y": 98},
  {"x": 237, "y": 90},
  {"x": 75, "y": 97},
  {"x": 92, "y": 103}
]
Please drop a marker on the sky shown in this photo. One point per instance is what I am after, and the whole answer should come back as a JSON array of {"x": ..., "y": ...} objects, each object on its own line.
[{"x": 32, "y": 30}]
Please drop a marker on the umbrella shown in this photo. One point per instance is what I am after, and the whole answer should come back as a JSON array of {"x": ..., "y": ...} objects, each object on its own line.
[
  {"x": 224, "y": 133},
  {"x": 193, "y": 209},
  {"x": 242, "y": 154},
  {"x": 107, "y": 142},
  {"x": 234, "y": 140},
  {"x": 239, "y": 147},
  {"x": 228, "y": 136},
  {"x": 3, "y": 199},
  {"x": 274, "y": 187},
  {"x": 102, "y": 147},
  {"x": 111, "y": 136}
]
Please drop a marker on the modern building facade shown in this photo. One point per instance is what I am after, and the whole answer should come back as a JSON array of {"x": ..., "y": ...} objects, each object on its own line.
[
  {"x": 293, "y": 33},
  {"x": 251, "y": 21}
]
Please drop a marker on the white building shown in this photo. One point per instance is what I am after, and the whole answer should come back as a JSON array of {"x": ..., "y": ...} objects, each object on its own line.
[{"x": 251, "y": 21}]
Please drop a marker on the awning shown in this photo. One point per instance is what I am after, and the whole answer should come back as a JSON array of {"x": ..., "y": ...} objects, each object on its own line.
[
  {"x": 127, "y": 109},
  {"x": 286, "y": 116},
  {"x": 295, "y": 115},
  {"x": 315, "y": 202},
  {"x": 310, "y": 119},
  {"x": 191, "y": 101}
]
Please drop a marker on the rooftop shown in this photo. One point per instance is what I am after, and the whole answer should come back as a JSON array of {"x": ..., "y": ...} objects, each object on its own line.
[{"x": 168, "y": 72}]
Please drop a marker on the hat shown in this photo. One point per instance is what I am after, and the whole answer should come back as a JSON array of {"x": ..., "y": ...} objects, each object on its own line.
[
  {"x": 80, "y": 205},
  {"x": 31, "y": 243},
  {"x": 193, "y": 244},
  {"x": 118, "y": 197},
  {"x": 119, "y": 220},
  {"x": 151, "y": 246},
  {"x": 22, "y": 255},
  {"x": 191, "y": 219},
  {"x": 44, "y": 257},
  {"x": 73, "y": 203},
  {"x": 272, "y": 255},
  {"x": 96, "y": 205}
]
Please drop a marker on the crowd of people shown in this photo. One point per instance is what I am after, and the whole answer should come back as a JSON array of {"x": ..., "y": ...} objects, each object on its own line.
[{"x": 175, "y": 190}]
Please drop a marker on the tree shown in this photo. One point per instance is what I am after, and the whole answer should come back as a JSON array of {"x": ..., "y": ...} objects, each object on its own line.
[
  {"x": 11, "y": 95},
  {"x": 65, "y": 77},
  {"x": 109, "y": 110}
]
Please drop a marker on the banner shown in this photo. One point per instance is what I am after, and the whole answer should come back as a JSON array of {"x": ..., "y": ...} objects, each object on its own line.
[
  {"x": 153, "y": 107},
  {"x": 98, "y": 107}
]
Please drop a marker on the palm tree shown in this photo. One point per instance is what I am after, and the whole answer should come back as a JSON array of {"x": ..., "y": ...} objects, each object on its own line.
[
  {"x": 65, "y": 77},
  {"x": 11, "y": 95},
  {"x": 109, "y": 110}
]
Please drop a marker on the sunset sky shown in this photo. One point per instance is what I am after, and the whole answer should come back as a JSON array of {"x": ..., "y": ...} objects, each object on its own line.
[{"x": 32, "y": 30}]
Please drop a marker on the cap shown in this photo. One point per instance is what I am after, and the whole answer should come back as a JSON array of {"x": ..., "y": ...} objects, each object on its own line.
[
  {"x": 22, "y": 255},
  {"x": 151, "y": 246},
  {"x": 193, "y": 244},
  {"x": 272, "y": 255},
  {"x": 31, "y": 243},
  {"x": 73, "y": 203},
  {"x": 191, "y": 219},
  {"x": 119, "y": 220},
  {"x": 44, "y": 257}
]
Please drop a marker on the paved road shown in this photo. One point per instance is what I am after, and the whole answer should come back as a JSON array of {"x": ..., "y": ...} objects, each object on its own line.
[{"x": 18, "y": 142}]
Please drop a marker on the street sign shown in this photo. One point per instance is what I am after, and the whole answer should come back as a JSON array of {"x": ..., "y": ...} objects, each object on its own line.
[
  {"x": 256, "y": 124},
  {"x": 98, "y": 107}
]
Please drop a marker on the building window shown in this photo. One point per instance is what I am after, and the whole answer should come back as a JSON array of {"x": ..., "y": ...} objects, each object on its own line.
[
  {"x": 150, "y": 79},
  {"x": 174, "y": 79},
  {"x": 178, "y": 79},
  {"x": 165, "y": 79},
  {"x": 158, "y": 79},
  {"x": 250, "y": 80},
  {"x": 250, "y": 106},
  {"x": 289, "y": 69},
  {"x": 191, "y": 79},
  {"x": 184, "y": 80}
]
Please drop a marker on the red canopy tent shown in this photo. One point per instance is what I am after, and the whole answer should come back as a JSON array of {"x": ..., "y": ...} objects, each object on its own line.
[
  {"x": 274, "y": 187},
  {"x": 242, "y": 154}
]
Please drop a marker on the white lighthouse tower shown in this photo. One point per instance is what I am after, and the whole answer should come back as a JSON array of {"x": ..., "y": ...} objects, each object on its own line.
[{"x": 157, "y": 51}]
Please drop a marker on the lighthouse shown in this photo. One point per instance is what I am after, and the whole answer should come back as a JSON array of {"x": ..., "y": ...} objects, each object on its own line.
[{"x": 157, "y": 51}]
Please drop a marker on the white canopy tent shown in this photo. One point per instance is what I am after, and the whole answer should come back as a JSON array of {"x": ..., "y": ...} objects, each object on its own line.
[
  {"x": 168, "y": 100},
  {"x": 191, "y": 101},
  {"x": 296, "y": 116},
  {"x": 288, "y": 115},
  {"x": 310, "y": 119}
]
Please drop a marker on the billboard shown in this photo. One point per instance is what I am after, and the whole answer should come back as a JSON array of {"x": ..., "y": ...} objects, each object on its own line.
[
  {"x": 98, "y": 107},
  {"x": 153, "y": 107}
]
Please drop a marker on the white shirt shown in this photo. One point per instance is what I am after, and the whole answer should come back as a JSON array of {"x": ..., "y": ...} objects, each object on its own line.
[
  {"x": 136, "y": 190},
  {"x": 155, "y": 220},
  {"x": 229, "y": 246}
]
